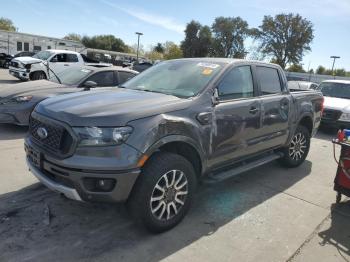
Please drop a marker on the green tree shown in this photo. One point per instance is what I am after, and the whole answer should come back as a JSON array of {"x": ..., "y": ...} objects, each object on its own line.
[
  {"x": 73, "y": 36},
  {"x": 7, "y": 24},
  {"x": 154, "y": 55},
  {"x": 172, "y": 51},
  {"x": 340, "y": 72},
  {"x": 159, "y": 48},
  {"x": 105, "y": 42},
  {"x": 229, "y": 34},
  {"x": 296, "y": 68},
  {"x": 320, "y": 70},
  {"x": 198, "y": 40},
  {"x": 285, "y": 37}
]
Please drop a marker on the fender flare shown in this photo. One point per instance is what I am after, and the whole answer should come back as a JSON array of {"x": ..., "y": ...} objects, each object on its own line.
[{"x": 176, "y": 138}]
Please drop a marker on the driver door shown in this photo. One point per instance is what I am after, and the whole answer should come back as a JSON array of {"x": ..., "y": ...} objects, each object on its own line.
[
  {"x": 62, "y": 61},
  {"x": 237, "y": 116}
]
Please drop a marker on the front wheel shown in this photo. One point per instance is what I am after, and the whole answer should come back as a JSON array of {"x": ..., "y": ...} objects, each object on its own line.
[
  {"x": 298, "y": 148},
  {"x": 163, "y": 193},
  {"x": 38, "y": 76}
]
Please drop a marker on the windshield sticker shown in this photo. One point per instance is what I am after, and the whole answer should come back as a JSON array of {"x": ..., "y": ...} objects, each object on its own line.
[
  {"x": 208, "y": 65},
  {"x": 207, "y": 71}
]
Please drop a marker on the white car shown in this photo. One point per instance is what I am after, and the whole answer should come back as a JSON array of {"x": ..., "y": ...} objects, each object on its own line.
[
  {"x": 48, "y": 62},
  {"x": 336, "y": 111}
]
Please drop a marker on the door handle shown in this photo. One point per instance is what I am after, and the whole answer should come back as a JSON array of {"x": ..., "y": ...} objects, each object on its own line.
[
  {"x": 66, "y": 65},
  {"x": 253, "y": 110}
]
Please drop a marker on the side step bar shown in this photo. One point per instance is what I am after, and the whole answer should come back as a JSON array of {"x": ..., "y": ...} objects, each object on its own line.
[{"x": 218, "y": 177}]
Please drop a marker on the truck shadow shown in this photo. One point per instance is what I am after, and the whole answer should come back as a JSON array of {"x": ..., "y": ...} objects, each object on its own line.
[
  {"x": 11, "y": 132},
  {"x": 38, "y": 225},
  {"x": 338, "y": 234}
]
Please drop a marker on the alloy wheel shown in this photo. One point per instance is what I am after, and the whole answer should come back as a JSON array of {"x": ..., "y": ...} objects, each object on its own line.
[
  {"x": 169, "y": 195},
  {"x": 297, "y": 146}
]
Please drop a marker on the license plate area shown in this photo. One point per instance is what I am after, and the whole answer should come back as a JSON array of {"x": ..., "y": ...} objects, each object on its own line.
[{"x": 33, "y": 156}]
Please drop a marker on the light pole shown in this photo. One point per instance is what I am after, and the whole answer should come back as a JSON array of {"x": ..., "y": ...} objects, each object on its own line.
[
  {"x": 334, "y": 57},
  {"x": 138, "y": 45}
]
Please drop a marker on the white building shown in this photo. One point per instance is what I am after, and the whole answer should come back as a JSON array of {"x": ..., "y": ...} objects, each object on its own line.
[{"x": 14, "y": 42}]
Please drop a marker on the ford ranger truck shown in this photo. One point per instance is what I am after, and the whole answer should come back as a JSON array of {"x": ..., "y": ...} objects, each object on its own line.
[{"x": 149, "y": 142}]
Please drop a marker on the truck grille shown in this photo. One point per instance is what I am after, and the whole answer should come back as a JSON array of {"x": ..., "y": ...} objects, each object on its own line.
[
  {"x": 330, "y": 114},
  {"x": 57, "y": 140}
]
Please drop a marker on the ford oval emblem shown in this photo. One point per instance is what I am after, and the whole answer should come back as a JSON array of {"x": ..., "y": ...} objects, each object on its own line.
[{"x": 42, "y": 132}]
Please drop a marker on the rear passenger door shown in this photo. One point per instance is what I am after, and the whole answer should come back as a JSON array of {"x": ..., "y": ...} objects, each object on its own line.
[
  {"x": 276, "y": 103},
  {"x": 237, "y": 116}
]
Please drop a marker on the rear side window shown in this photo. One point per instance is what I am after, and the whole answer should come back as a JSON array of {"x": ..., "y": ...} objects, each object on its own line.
[
  {"x": 124, "y": 76},
  {"x": 269, "y": 80},
  {"x": 103, "y": 78},
  {"x": 237, "y": 83},
  {"x": 72, "y": 58}
]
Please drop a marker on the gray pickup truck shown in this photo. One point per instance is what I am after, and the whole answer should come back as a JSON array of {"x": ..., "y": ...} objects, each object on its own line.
[{"x": 149, "y": 142}]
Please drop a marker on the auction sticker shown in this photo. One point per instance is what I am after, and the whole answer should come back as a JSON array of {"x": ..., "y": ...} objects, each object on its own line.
[{"x": 208, "y": 65}]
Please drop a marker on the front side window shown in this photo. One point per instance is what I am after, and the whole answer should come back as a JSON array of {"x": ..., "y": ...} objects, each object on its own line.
[
  {"x": 182, "y": 78},
  {"x": 237, "y": 83},
  {"x": 269, "y": 80},
  {"x": 103, "y": 78}
]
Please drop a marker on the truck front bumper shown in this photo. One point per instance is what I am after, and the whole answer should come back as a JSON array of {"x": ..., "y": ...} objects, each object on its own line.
[
  {"x": 84, "y": 183},
  {"x": 19, "y": 73}
]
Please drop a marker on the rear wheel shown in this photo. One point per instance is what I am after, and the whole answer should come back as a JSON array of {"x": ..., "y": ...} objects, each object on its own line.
[
  {"x": 163, "y": 193},
  {"x": 298, "y": 149},
  {"x": 38, "y": 76},
  {"x": 6, "y": 64}
]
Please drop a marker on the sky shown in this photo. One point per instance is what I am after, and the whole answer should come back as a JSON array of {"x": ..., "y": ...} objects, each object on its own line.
[{"x": 161, "y": 20}]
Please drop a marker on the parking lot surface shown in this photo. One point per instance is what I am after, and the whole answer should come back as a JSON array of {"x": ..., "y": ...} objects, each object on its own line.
[{"x": 268, "y": 214}]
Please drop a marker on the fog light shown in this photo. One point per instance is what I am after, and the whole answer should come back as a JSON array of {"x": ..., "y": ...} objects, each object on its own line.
[
  {"x": 99, "y": 184},
  {"x": 105, "y": 185}
]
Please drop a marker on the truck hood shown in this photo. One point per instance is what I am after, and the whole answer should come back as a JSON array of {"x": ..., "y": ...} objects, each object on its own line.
[
  {"x": 336, "y": 103},
  {"x": 27, "y": 60},
  {"x": 112, "y": 107},
  {"x": 31, "y": 88}
]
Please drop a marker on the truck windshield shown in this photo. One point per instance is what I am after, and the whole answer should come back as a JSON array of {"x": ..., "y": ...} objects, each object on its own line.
[
  {"x": 71, "y": 76},
  {"x": 182, "y": 78},
  {"x": 43, "y": 55},
  {"x": 332, "y": 89}
]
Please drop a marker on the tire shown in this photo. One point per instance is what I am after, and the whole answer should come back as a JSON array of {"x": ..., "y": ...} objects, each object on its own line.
[
  {"x": 154, "y": 213},
  {"x": 6, "y": 65},
  {"x": 38, "y": 76},
  {"x": 298, "y": 149}
]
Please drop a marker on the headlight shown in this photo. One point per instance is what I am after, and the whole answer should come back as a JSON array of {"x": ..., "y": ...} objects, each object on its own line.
[
  {"x": 345, "y": 117},
  {"x": 17, "y": 100},
  {"x": 21, "y": 65},
  {"x": 96, "y": 136}
]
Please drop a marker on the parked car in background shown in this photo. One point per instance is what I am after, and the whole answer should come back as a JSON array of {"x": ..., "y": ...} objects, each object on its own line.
[
  {"x": 149, "y": 142},
  {"x": 46, "y": 63},
  {"x": 20, "y": 54},
  {"x": 4, "y": 58},
  {"x": 142, "y": 66},
  {"x": 302, "y": 85},
  {"x": 18, "y": 101},
  {"x": 336, "y": 112}
]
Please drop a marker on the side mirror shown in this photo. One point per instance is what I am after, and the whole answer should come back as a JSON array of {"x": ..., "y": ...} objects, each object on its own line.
[
  {"x": 89, "y": 84},
  {"x": 215, "y": 97}
]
